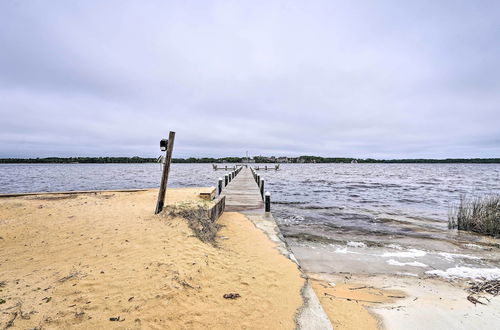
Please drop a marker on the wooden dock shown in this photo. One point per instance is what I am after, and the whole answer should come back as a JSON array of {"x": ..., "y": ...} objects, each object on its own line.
[{"x": 243, "y": 194}]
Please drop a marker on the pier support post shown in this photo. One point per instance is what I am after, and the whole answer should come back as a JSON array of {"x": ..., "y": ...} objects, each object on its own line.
[
  {"x": 220, "y": 186},
  {"x": 226, "y": 180},
  {"x": 166, "y": 170},
  {"x": 262, "y": 188},
  {"x": 268, "y": 201}
]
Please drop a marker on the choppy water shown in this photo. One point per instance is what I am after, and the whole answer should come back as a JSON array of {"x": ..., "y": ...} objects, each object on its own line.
[
  {"x": 336, "y": 217},
  {"x": 16, "y": 178},
  {"x": 385, "y": 218},
  {"x": 376, "y": 198}
]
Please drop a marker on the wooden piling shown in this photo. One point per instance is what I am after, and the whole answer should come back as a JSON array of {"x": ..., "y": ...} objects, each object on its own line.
[{"x": 166, "y": 169}]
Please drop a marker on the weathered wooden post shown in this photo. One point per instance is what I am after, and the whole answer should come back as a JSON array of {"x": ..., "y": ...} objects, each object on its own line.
[
  {"x": 230, "y": 177},
  {"x": 266, "y": 167},
  {"x": 226, "y": 180},
  {"x": 262, "y": 188},
  {"x": 268, "y": 201},
  {"x": 220, "y": 186},
  {"x": 166, "y": 170}
]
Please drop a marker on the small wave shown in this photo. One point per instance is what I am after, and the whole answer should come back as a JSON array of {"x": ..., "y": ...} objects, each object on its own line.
[
  {"x": 339, "y": 250},
  {"x": 412, "y": 253},
  {"x": 473, "y": 246},
  {"x": 451, "y": 256},
  {"x": 317, "y": 207},
  {"x": 413, "y": 263},
  {"x": 356, "y": 244},
  {"x": 467, "y": 272},
  {"x": 395, "y": 246},
  {"x": 288, "y": 203}
]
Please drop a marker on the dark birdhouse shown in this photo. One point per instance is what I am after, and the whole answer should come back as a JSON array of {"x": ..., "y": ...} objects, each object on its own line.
[{"x": 163, "y": 144}]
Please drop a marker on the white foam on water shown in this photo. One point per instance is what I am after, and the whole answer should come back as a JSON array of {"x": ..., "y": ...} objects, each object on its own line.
[
  {"x": 451, "y": 256},
  {"x": 413, "y": 263},
  {"x": 473, "y": 246},
  {"x": 395, "y": 246},
  {"x": 411, "y": 253},
  {"x": 340, "y": 250},
  {"x": 356, "y": 244},
  {"x": 467, "y": 272}
]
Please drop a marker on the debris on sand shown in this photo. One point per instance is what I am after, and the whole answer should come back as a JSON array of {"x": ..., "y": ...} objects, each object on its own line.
[
  {"x": 69, "y": 277},
  {"x": 477, "y": 288},
  {"x": 492, "y": 287},
  {"x": 474, "y": 300},
  {"x": 232, "y": 295}
]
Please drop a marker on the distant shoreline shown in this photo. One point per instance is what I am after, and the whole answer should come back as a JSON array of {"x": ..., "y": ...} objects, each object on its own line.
[{"x": 258, "y": 159}]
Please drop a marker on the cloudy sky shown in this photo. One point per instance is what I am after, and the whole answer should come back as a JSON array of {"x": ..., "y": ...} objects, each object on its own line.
[{"x": 384, "y": 79}]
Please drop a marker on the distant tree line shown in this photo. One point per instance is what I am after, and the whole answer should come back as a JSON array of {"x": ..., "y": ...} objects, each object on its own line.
[
  {"x": 70, "y": 160},
  {"x": 256, "y": 159}
]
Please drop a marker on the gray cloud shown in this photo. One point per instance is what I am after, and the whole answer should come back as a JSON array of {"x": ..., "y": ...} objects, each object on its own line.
[{"x": 364, "y": 79}]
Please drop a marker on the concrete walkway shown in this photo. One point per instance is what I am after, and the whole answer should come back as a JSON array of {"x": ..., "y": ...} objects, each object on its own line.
[{"x": 243, "y": 195}]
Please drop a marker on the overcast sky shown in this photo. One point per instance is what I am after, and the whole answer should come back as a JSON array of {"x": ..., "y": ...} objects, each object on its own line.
[{"x": 383, "y": 79}]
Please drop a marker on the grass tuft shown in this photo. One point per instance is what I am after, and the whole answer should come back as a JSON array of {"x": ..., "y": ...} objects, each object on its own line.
[{"x": 477, "y": 214}]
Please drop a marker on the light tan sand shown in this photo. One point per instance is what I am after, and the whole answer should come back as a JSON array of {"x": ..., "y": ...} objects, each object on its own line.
[
  {"x": 78, "y": 260},
  {"x": 347, "y": 304}
]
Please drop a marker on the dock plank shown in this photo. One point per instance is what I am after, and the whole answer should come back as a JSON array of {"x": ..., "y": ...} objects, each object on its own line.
[{"x": 243, "y": 194}]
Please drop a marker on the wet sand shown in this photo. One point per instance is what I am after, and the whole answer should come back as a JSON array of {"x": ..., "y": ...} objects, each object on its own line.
[
  {"x": 433, "y": 280},
  {"x": 104, "y": 260},
  {"x": 402, "y": 302}
]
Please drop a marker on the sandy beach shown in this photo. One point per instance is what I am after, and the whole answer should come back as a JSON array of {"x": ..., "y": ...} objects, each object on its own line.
[
  {"x": 93, "y": 260},
  {"x": 104, "y": 260}
]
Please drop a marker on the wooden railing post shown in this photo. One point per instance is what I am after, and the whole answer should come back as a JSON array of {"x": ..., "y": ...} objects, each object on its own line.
[{"x": 268, "y": 201}]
